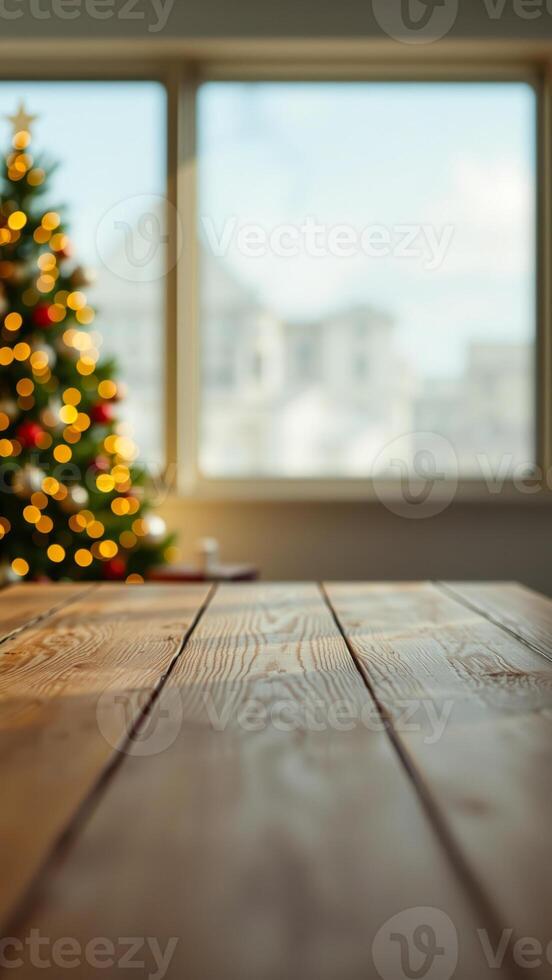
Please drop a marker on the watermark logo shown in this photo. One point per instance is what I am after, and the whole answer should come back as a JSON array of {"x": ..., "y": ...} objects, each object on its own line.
[
  {"x": 161, "y": 722},
  {"x": 426, "y": 244},
  {"x": 423, "y": 716},
  {"x": 140, "y": 238},
  {"x": 415, "y": 21},
  {"x": 423, "y": 470},
  {"x": 158, "y": 726},
  {"x": 416, "y": 944}
]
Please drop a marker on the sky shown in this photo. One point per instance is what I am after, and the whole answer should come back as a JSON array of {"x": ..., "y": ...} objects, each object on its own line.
[
  {"x": 109, "y": 141},
  {"x": 458, "y": 156},
  {"x": 108, "y": 138}
]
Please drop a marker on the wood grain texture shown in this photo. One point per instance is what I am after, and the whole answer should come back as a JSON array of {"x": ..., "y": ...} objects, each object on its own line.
[
  {"x": 273, "y": 830},
  {"x": 70, "y": 689},
  {"x": 520, "y": 610},
  {"x": 489, "y": 771},
  {"x": 21, "y": 605}
]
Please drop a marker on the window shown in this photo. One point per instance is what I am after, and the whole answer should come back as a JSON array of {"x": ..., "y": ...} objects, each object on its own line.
[
  {"x": 110, "y": 141},
  {"x": 363, "y": 276},
  {"x": 367, "y": 275}
]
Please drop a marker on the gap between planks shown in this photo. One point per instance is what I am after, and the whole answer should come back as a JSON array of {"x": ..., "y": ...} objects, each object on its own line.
[
  {"x": 129, "y": 899},
  {"x": 90, "y": 801},
  {"x": 475, "y": 893},
  {"x": 74, "y": 596},
  {"x": 486, "y": 612},
  {"x": 93, "y": 797},
  {"x": 422, "y": 792}
]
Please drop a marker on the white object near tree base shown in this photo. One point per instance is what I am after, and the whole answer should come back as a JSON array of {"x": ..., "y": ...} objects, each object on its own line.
[
  {"x": 155, "y": 529},
  {"x": 207, "y": 551}
]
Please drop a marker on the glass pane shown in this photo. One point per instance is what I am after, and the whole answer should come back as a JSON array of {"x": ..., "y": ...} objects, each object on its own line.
[
  {"x": 367, "y": 275},
  {"x": 109, "y": 140}
]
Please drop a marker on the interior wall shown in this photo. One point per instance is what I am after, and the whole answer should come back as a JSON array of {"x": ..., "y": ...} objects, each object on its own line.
[
  {"x": 323, "y": 539},
  {"x": 529, "y": 19},
  {"x": 365, "y": 541}
]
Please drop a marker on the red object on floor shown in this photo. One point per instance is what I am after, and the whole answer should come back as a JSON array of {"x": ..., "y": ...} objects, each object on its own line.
[{"x": 192, "y": 573}]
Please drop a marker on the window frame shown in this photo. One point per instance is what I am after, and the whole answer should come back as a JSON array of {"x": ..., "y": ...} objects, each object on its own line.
[{"x": 181, "y": 72}]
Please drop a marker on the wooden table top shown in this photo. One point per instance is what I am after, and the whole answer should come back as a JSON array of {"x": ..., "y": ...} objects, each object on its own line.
[{"x": 276, "y": 781}]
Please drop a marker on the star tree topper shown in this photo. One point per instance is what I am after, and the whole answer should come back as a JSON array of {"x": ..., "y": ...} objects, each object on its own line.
[{"x": 21, "y": 120}]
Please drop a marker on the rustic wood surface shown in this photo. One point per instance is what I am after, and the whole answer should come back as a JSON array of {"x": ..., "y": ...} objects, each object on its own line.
[
  {"x": 525, "y": 613},
  {"x": 22, "y": 605},
  {"x": 489, "y": 774},
  {"x": 113, "y": 642},
  {"x": 270, "y": 773}
]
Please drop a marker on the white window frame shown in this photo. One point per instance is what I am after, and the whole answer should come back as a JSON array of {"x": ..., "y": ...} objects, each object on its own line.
[{"x": 181, "y": 69}]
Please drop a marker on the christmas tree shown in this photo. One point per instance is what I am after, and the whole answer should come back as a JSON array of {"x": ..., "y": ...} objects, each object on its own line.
[{"x": 73, "y": 502}]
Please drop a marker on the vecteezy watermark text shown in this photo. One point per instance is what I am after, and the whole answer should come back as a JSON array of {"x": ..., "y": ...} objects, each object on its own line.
[
  {"x": 420, "y": 482},
  {"x": 143, "y": 953},
  {"x": 162, "y": 722},
  {"x": 524, "y": 9},
  {"x": 317, "y": 239},
  {"x": 154, "y": 14},
  {"x": 343, "y": 715}
]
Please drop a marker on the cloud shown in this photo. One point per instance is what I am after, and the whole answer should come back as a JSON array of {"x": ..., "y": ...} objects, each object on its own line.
[{"x": 492, "y": 210}]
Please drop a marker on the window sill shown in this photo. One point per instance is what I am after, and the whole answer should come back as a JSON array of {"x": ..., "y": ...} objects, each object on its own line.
[{"x": 400, "y": 498}]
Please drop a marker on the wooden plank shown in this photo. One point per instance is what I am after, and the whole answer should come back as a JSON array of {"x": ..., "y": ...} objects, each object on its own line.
[
  {"x": 488, "y": 771},
  {"x": 70, "y": 689},
  {"x": 517, "y": 608},
  {"x": 278, "y": 830},
  {"x": 23, "y": 604}
]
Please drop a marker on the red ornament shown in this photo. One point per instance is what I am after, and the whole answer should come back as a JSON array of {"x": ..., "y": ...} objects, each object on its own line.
[
  {"x": 114, "y": 569},
  {"x": 41, "y": 315},
  {"x": 29, "y": 434},
  {"x": 101, "y": 413}
]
